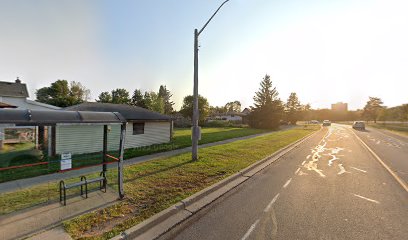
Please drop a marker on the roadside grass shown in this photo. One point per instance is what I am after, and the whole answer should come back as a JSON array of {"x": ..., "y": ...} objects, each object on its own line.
[
  {"x": 154, "y": 186},
  {"x": 181, "y": 139},
  {"x": 396, "y": 128},
  {"x": 10, "y": 202}
]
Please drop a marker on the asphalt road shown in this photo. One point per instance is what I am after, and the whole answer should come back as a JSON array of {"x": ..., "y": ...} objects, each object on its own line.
[
  {"x": 391, "y": 148},
  {"x": 331, "y": 187}
]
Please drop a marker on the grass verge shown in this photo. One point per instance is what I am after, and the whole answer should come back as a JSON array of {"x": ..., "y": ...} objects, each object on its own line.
[
  {"x": 154, "y": 186},
  {"x": 181, "y": 139},
  {"x": 396, "y": 128}
]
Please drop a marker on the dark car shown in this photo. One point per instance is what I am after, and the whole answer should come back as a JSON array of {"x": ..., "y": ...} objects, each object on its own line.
[{"x": 359, "y": 125}]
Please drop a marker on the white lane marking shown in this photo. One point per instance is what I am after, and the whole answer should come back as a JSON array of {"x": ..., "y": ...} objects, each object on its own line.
[
  {"x": 396, "y": 177},
  {"x": 287, "y": 183},
  {"x": 342, "y": 169},
  {"x": 303, "y": 163},
  {"x": 308, "y": 156},
  {"x": 271, "y": 203},
  {"x": 368, "y": 199},
  {"x": 250, "y": 230},
  {"x": 302, "y": 173},
  {"x": 358, "y": 169},
  {"x": 378, "y": 142},
  {"x": 297, "y": 171}
]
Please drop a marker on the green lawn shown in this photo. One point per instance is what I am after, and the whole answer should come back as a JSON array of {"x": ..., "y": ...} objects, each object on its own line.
[
  {"x": 153, "y": 186},
  {"x": 181, "y": 139}
]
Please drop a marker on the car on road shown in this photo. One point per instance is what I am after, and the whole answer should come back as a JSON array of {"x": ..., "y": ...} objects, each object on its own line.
[
  {"x": 326, "y": 123},
  {"x": 359, "y": 125}
]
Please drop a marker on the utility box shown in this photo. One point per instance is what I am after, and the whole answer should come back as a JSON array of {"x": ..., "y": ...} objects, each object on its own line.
[{"x": 199, "y": 133}]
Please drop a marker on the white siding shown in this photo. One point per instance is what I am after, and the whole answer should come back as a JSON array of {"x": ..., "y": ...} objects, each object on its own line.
[
  {"x": 22, "y": 103},
  {"x": 88, "y": 139},
  {"x": 85, "y": 139},
  {"x": 154, "y": 133}
]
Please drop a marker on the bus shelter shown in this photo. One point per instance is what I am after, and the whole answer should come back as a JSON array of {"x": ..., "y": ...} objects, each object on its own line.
[{"x": 39, "y": 127}]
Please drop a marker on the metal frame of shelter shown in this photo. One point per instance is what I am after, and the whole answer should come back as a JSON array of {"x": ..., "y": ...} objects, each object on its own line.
[{"x": 15, "y": 117}]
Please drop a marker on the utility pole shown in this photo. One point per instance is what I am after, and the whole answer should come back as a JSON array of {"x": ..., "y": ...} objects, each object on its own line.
[{"x": 196, "y": 128}]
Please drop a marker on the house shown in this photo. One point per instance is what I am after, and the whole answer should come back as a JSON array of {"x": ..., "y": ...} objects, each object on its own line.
[
  {"x": 230, "y": 116},
  {"x": 143, "y": 128},
  {"x": 15, "y": 94}
]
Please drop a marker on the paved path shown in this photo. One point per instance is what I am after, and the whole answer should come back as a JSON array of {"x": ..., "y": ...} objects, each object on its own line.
[
  {"x": 29, "y": 182},
  {"x": 331, "y": 187},
  {"x": 39, "y": 218}
]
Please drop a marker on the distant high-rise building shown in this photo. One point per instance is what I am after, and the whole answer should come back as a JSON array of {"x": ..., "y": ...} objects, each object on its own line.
[{"x": 339, "y": 107}]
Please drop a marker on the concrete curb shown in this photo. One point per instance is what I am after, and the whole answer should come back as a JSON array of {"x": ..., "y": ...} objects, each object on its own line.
[{"x": 162, "y": 222}]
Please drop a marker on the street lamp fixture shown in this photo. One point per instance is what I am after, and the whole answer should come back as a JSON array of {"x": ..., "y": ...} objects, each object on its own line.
[{"x": 196, "y": 129}]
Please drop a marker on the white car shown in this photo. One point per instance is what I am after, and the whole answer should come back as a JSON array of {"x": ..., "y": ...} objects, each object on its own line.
[{"x": 326, "y": 123}]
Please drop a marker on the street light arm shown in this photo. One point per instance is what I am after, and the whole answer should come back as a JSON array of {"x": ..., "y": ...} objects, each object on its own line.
[{"x": 209, "y": 20}]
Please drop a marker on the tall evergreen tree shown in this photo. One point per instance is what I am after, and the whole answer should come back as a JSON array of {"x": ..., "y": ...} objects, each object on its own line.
[
  {"x": 166, "y": 95},
  {"x": 268, "y": 109},
  {"x": 138, "y": 99},
  {"x": 293, "y": 109}
]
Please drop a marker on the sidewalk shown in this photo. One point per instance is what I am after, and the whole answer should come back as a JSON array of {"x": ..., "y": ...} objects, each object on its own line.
[
  {"x": 29, "y": 182},
  {"x": 41, "y": 218}
]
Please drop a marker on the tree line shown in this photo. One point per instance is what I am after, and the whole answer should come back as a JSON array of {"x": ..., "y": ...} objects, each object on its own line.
[
  {"x": 156, "y": 101},
  {"x": 269, "y": 111}
]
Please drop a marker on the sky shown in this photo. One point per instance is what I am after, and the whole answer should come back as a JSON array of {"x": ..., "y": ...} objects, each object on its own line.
[{"x": 325, "y": 51}]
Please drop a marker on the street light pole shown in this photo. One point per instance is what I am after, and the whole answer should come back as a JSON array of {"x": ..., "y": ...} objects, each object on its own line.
[{"x": 196, "y": 129}]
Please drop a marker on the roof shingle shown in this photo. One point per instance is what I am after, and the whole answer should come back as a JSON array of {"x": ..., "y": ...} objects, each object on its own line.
[
  {"x": 13, "y": 89},
  {"x": 128, "y": 112}
]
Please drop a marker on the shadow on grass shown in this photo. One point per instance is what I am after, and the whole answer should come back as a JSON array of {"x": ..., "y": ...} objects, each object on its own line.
[{"x": 158, "y": 171}]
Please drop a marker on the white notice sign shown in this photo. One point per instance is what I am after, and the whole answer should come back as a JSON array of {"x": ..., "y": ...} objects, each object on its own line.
[{"x": 66, "y": 161}]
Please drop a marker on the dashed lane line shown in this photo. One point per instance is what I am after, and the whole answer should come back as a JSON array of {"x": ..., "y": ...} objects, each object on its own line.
[
  {"x": 271, "y": 203},
  {"x": 368, "y": 199},
  {"x": 250, "y": 230},
  {"x": 287, "y": 183},
  {"x": 297, "y": 171}
]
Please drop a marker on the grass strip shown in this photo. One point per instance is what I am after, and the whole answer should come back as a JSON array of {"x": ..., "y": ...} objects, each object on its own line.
[
  {"x": 181, "y": 139},
  {"x": 13, "y": 201},
  {"x": 154, "y": 186},
  {"x": 396, "y": 128}
]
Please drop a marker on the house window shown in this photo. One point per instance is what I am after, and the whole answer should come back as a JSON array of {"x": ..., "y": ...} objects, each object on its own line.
[{"x": 138, "y": 128}]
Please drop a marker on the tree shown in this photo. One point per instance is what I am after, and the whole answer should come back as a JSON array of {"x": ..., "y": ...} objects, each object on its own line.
[
  {"x": 372, "y": 109},
  {"x": 203, "y": 108},
  {"x": 78, "y": 92},
  {"x": 138, "y": 99},
  {"x": 148, "y": 99},
  {"x": 156, "y": 103},
  {"x": 234, "y": 106},
  {"x": 293, "y": 109},
  {"x": 120, "y": 96},
  {"x": 217, "y": 110},
  {"x": 105, "y": 97},
  {"x": 62, "y": 94},
  {"x": 268, "y": 109},
  {"x": 165, "y": 95}
]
